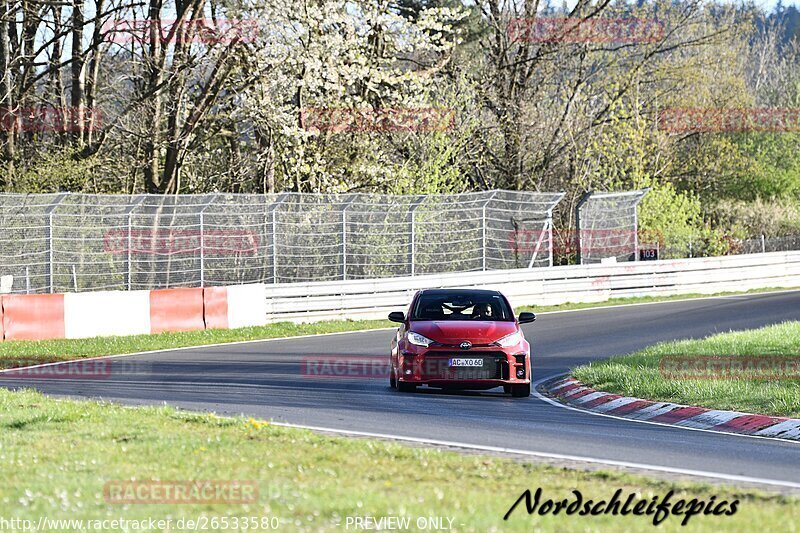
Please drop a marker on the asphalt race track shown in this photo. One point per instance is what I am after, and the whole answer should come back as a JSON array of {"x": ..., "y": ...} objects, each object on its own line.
[{"x": 265, "y": 379}]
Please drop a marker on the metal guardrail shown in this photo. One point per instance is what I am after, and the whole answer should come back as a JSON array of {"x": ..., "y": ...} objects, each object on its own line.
[{"x": 542, "y": 286}]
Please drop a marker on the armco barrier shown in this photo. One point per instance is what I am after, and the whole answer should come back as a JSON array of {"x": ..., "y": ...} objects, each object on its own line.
[
  {"x": 540, "y": 286},
  {"x": 124, "y": 313}
]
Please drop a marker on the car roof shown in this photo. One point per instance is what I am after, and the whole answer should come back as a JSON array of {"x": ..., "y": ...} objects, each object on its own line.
[{"x": 457, "y": 292}]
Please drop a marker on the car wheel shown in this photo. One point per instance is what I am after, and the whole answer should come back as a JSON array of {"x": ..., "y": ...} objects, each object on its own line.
[
  {"x": 406, "y": 387},
  {"x": 507, "y": 389},
  {"x": 521, "y": 391},
  {"x": 392, "y": 380}
]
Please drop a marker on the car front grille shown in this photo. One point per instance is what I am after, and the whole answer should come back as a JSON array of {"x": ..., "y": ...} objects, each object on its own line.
[{"x": 494, "y": 365}]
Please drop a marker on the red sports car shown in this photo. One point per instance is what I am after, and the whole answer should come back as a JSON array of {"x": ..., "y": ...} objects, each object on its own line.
[{"x": 461, "y": 339}]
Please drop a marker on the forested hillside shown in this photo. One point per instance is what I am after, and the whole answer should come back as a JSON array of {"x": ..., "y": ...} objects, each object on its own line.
[{"x": 119, "y": 96}]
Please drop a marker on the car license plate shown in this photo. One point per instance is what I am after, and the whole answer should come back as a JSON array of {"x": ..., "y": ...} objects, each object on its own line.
[{"x": 466, "y": 362}]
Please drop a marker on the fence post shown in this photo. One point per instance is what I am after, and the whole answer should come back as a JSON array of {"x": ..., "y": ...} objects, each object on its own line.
[
  {"x": 202, "y": 239},
  {"x": 412, "y": 248},
  {"x": 273, "y": 211},
  {"x": 483, "y": 237},
  {"x": 202, "y": 251},
  {"x": 136, "y": 202},
  {"x": 636, "y": 224},
  {"x": 346, "y": 205},
  {"x": 50, "y": 241},
  {"x": 545, "y": 227},
  {"x": 413, "y": 242},
  {"x": 763, "y": 244},
  {"x": 583, "y": 200},
  {"x": 483, "y": 229},
  {"x": 550, "y": 228}
]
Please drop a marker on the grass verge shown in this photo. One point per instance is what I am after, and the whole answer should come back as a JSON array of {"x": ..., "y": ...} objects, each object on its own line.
[
  {"x": 12, "y": 353},
  {"x": 572, "y": 306},
  {"x": 56, "y": 457},
  {"x": 23, "y": 353},
  {"x": 643, "y": 375}
]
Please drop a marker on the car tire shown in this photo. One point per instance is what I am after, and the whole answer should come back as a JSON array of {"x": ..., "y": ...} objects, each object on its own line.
[
  {"x": 507, "y": 389},
  {"x": 406, "y": 387},
  {"x": 521, "y": 391},
  {"x": 392, "y": 380}
]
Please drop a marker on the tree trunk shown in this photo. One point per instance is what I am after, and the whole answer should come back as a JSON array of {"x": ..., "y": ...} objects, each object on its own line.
[
  {"x": 76, "y": 111},
  {"x": 7, "y": 119}
]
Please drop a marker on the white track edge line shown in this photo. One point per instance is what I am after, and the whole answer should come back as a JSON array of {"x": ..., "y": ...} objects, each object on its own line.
[
  {"x": 547, "y": 455},
  {"x": 551, "y": 401},
  {"x": 181, "y": 348}
]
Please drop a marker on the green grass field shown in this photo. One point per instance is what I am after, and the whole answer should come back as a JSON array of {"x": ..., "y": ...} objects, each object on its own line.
[
  {"x": 56, "y": 457},
  {"x": 21, "y": 353},
  {"x": 640, "y": 375}
]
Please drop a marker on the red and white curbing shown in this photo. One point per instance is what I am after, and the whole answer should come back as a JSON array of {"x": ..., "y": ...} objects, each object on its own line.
[{"x": 572, "y": 392}]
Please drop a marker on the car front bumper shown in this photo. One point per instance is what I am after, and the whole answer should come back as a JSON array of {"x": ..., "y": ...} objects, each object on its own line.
[{"x": 436, "y": 367}]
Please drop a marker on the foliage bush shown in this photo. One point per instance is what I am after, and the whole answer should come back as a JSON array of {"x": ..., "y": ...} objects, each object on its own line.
[
  {"x": 771, "y": 218},
  {"x": 675, "y": 219}
]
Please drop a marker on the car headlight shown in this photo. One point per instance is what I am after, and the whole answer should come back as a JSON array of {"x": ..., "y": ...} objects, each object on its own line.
[
  {"x": 510, "y": 340},
  {"x": 418, "y": 340}
]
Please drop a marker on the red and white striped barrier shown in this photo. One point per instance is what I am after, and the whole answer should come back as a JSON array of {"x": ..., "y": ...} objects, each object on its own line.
[
  {"x": 110, "y": 313},
  {"x": 235, "y": 306}
]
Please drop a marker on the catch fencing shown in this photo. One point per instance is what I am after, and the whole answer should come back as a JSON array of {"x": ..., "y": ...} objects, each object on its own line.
[
  {"x": 608, "y": 226},
  {"x": 76, "y": 242}
]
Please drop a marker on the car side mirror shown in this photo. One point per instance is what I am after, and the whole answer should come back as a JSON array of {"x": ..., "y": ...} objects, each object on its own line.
[
  {"x": 524, "y": 318},
  {"x": 397, "y": 316}
]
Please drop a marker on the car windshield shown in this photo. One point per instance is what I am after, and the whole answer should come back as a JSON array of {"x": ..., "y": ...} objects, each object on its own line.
[{"x": 462, "y": 307}]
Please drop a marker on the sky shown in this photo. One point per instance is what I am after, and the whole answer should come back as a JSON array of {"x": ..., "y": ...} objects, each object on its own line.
[{"x": 767, "y": 5}]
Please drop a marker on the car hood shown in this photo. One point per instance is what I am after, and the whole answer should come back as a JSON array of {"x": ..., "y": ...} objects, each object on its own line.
[{"x": 455, "y": 332}]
